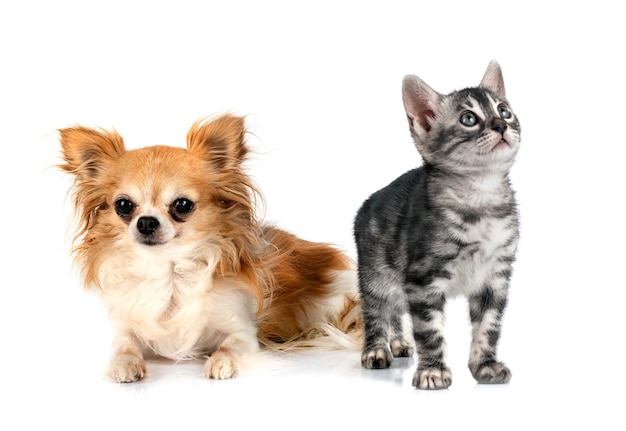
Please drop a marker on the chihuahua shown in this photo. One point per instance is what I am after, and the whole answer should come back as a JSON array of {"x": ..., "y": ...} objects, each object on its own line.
[{"x": 170, "y": 239}]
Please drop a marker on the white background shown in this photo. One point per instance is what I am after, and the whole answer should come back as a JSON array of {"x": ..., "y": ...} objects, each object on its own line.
[{"x": 320, "y": 85}]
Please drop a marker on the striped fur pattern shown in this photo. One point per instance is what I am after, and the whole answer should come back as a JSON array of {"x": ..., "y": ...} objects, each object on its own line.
[
  {"x": 446, "y": 228},
  {"x": 170, "y": 238}
]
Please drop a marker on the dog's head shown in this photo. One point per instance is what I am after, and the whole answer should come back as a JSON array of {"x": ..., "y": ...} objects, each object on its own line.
[{"x": 160, "y": 199}]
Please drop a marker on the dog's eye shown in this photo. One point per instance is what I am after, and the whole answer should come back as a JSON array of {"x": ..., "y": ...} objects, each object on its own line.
[
  {"x": 183, "y": 205},
  {"x": 124, "y": 207},
  {"x": 225, "y": 203}
]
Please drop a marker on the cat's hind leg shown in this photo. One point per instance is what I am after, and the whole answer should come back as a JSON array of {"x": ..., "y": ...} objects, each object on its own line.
[
  {"x": 400, "y": 335},
  {"x": 383, "y": 305},
  {"x": 486, "y": 309}
]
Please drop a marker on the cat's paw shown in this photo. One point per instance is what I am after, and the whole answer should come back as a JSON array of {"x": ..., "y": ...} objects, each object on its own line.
[
  {"x": 127, "y": 368},
  {"x": 220, "y": 365},
  {"x": 401, "y": 348},
  {"x": 491, "y": 373},
  {"x": 376, "y": 358},
  {"x": 432, "y": 378}
]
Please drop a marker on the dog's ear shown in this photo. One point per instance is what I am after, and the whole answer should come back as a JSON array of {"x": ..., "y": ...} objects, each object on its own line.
[
  {"x": 88, "y": 153},
  {"x": 220, "y": 141}
]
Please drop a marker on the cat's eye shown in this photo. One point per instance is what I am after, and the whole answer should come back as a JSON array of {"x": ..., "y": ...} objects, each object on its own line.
[
  {"x": 124, "y": 207},
  {"x": 504, "y": 112},
  {"x": 468, "y": 119},
  {"x": 182, "y": 206}
]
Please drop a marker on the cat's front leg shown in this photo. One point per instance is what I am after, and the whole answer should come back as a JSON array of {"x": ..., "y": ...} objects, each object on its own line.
[
  {"x": 427, "y": 313},
  {"x": 127, "y": 364},
  {"x": 486, "y": 309}
]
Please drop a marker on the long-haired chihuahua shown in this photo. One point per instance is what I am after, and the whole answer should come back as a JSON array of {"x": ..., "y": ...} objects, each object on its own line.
[{"x": 170, "y": 239}]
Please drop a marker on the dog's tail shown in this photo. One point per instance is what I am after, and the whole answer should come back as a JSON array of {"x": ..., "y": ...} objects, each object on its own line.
[{"x": 313, "y": 297}]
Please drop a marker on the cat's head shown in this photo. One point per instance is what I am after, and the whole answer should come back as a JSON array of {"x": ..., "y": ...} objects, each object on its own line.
[{"x": 469, "y": 130}]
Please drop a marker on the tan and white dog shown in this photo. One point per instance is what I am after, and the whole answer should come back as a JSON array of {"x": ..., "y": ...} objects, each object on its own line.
[{"x": 170, "y": 239}]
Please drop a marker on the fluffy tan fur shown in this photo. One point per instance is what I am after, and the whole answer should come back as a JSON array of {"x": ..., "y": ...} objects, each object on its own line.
[{"x": 212, "y": 281}]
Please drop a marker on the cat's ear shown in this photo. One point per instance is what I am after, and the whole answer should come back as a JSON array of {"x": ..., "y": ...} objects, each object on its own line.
[
  {"x": 421, "y": 103},
  {"x": 493, "y": 79}
]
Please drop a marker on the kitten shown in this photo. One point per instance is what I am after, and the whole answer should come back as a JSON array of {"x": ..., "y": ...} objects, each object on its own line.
[{"x": 448, "y": 227}]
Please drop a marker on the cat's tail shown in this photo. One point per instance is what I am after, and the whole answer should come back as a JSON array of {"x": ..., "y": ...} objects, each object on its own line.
[{"x": 313, "y": 301}]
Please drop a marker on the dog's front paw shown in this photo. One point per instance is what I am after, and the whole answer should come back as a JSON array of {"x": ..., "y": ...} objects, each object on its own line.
[
  {"x": 220, "y": 365},
  {"x": 432, "y": 378},
  {"x": 127, "y": 368}
]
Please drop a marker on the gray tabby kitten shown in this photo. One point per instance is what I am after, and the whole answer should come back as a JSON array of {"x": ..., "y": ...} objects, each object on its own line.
[{"x": 448, "y": 227}]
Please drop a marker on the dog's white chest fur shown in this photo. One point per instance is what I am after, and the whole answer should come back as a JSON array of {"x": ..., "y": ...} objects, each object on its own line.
[{"x": 174, "y": 307}]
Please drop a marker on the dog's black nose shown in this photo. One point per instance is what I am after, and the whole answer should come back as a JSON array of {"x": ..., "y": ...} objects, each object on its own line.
[{"x": 147, "y": 225}]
